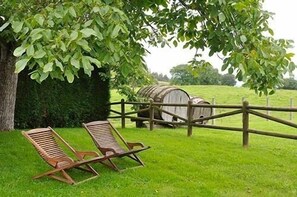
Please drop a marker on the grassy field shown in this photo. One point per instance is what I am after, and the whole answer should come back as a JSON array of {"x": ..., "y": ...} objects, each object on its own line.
[{"x": 210, "y": 163}]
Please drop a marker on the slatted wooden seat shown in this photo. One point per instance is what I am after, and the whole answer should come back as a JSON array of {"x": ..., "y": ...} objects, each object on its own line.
[
  {"x": 102, "y": 133},
  {"x": 46, "y": 142}
]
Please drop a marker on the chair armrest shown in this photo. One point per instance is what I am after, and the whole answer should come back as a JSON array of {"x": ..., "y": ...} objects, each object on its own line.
[
  {"x": 132, "y": 144},
  {"x": 105, "y": 150},
  {"x": 82, "y": 154},
  {"x": 56, "y": 161}
]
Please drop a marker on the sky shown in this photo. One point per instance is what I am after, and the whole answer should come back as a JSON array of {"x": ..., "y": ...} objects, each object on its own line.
[{"x": 161, "y": 60}]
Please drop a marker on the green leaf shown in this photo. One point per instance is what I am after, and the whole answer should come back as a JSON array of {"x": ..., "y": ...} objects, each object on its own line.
[
  {"x": 175, "y": 43},
  {"x": 69, "y": 75},
  {"x": 4, "y": 26},
  {"x": 103, "y": 10},
  {"x": 88, "y": 23},
  {"x": 59, "y": 65},
  {"x": 39, "y": 19},
  {"x": 30, "y": 51},
  {"x": 73, "y": 35},
  {"x": 21, "y": 64},
  {"x": 222, "y": 17},
  {"x": 43, "y": 77},
  {"x": 17, "y": 26},
  {"x": 36, "y": 31},
  {"x": 39, "y": 54},
  {"x": 95, "y": 9},
  {"x": 34, "y": 76},
  {"x": 87, "y": 32},
  {"x": 74, "y": 62},
  {"x": 243, "y": 38},
  {"x": 71, "y": 10},
  {"x": 125, "y": 70},
  {"x": 19, "y": 51},
  {"x": 84, "y": 44},
  {"x": 94, "y": 61},
  {"x": 115, "y": 31},
  {"x": 48, "y": 67},
  {"x": 87, "y": 65}
]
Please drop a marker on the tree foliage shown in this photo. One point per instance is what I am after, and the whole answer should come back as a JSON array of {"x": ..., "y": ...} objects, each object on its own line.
[
  {"x": 58, "y": 38},
  {"x": 237, "y": 29},
  {"x": 206, "y": 75},
  {"x": 228, "y": 80},
  {"x": 289, "y": 84},
  {"x": 160, "y": 76}
]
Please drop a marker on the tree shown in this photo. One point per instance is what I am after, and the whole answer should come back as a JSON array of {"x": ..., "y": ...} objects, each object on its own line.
[
  {"x": 203, "y": 75},
  {"x": 57, "y": 38},
  {"x": 289, "y": 84},
  {"x": 237, "y": 29},
  {"x": 182, "y": 75},
  {"x": 160, "y": 76},
  {"x": 228, "y": 80}
]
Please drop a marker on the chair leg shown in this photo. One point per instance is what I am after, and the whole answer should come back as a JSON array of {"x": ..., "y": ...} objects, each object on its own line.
[
  {"x": 64, "y": 178},
  {"x": 87, "y": 168},
  {"x": 110, "y": 165},
  {"x": 136, "y": 158}
]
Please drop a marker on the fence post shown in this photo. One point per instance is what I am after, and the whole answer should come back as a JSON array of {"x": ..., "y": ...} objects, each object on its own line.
[
  {"x": 190, "y": 118},
  {"x": 245, "y": 124},
  {"x": 213, "y": 102},
  {"x": 291, "y": 106},
  {"x": 123, "y": 113},
  {"x": 151, "y": 121}
]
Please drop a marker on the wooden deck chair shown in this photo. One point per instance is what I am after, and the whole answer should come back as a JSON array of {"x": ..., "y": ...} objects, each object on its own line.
[
  {"x": 45, "y": 140},
  {"x": 102, "y": 133}
]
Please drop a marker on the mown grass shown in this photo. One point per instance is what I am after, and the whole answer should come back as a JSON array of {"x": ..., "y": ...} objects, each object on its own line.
[{"x": 210, "y": 163}]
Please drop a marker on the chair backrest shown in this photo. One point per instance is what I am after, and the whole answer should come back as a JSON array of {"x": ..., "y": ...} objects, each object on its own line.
[
  {"x": 45, "y": 142},
  {"x": 102, "y": 135}
]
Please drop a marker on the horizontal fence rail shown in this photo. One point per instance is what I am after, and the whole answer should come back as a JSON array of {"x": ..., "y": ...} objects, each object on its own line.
[{"x": 150, "y": 108}]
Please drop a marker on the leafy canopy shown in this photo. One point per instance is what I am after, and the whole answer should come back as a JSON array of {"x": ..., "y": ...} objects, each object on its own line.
[
  {"x": 237, "y": 28},
  {"x": 57, "y": 38}
]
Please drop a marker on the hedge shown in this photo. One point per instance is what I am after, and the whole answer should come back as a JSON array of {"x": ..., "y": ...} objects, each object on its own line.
[{"x": 58, "y": 103}]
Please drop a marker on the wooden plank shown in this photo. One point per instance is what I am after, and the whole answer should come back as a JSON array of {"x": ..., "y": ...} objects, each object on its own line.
[
  {"x": 281, "y": 109},
  {"x": 273, "y": 118},
  {"x": 273, "y": 134},
  {"x": 116, "y": 112},
  {"x": 218, "y": 127},
  {"x": 139, "y": 111},
  {"x": 218, "y": 116},
  {"x": 172, "y": 114}
]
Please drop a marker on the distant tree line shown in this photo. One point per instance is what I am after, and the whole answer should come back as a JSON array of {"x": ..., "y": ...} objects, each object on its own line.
[
  {"x": 289, "y": 84},
  {"x": 160, "y": 77},
  {"x": 206, "y": 75}
]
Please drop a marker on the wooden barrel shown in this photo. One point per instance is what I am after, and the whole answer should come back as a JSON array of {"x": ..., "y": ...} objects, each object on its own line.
[
  {"x": 165, "y": 94},
  {"x": 201, "y": 112}
]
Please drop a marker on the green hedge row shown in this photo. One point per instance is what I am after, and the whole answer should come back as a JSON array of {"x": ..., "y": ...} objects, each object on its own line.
[{"x": 57, "y": 103}]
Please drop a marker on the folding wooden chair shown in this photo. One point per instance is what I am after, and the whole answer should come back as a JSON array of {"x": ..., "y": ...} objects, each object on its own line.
[
  {"x": 102, "y": 133},
  {"x": 45, "y": 141}
]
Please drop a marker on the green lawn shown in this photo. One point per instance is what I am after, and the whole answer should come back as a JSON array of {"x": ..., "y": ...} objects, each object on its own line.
[{"x": 210, "y": 163}]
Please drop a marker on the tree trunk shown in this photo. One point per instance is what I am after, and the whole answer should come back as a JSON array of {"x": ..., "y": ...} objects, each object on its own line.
[{"x": 8, "y": 85}]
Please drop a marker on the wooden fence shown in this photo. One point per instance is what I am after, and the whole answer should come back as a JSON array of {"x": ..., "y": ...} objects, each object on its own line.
[{"x": 245, "y": 109}]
